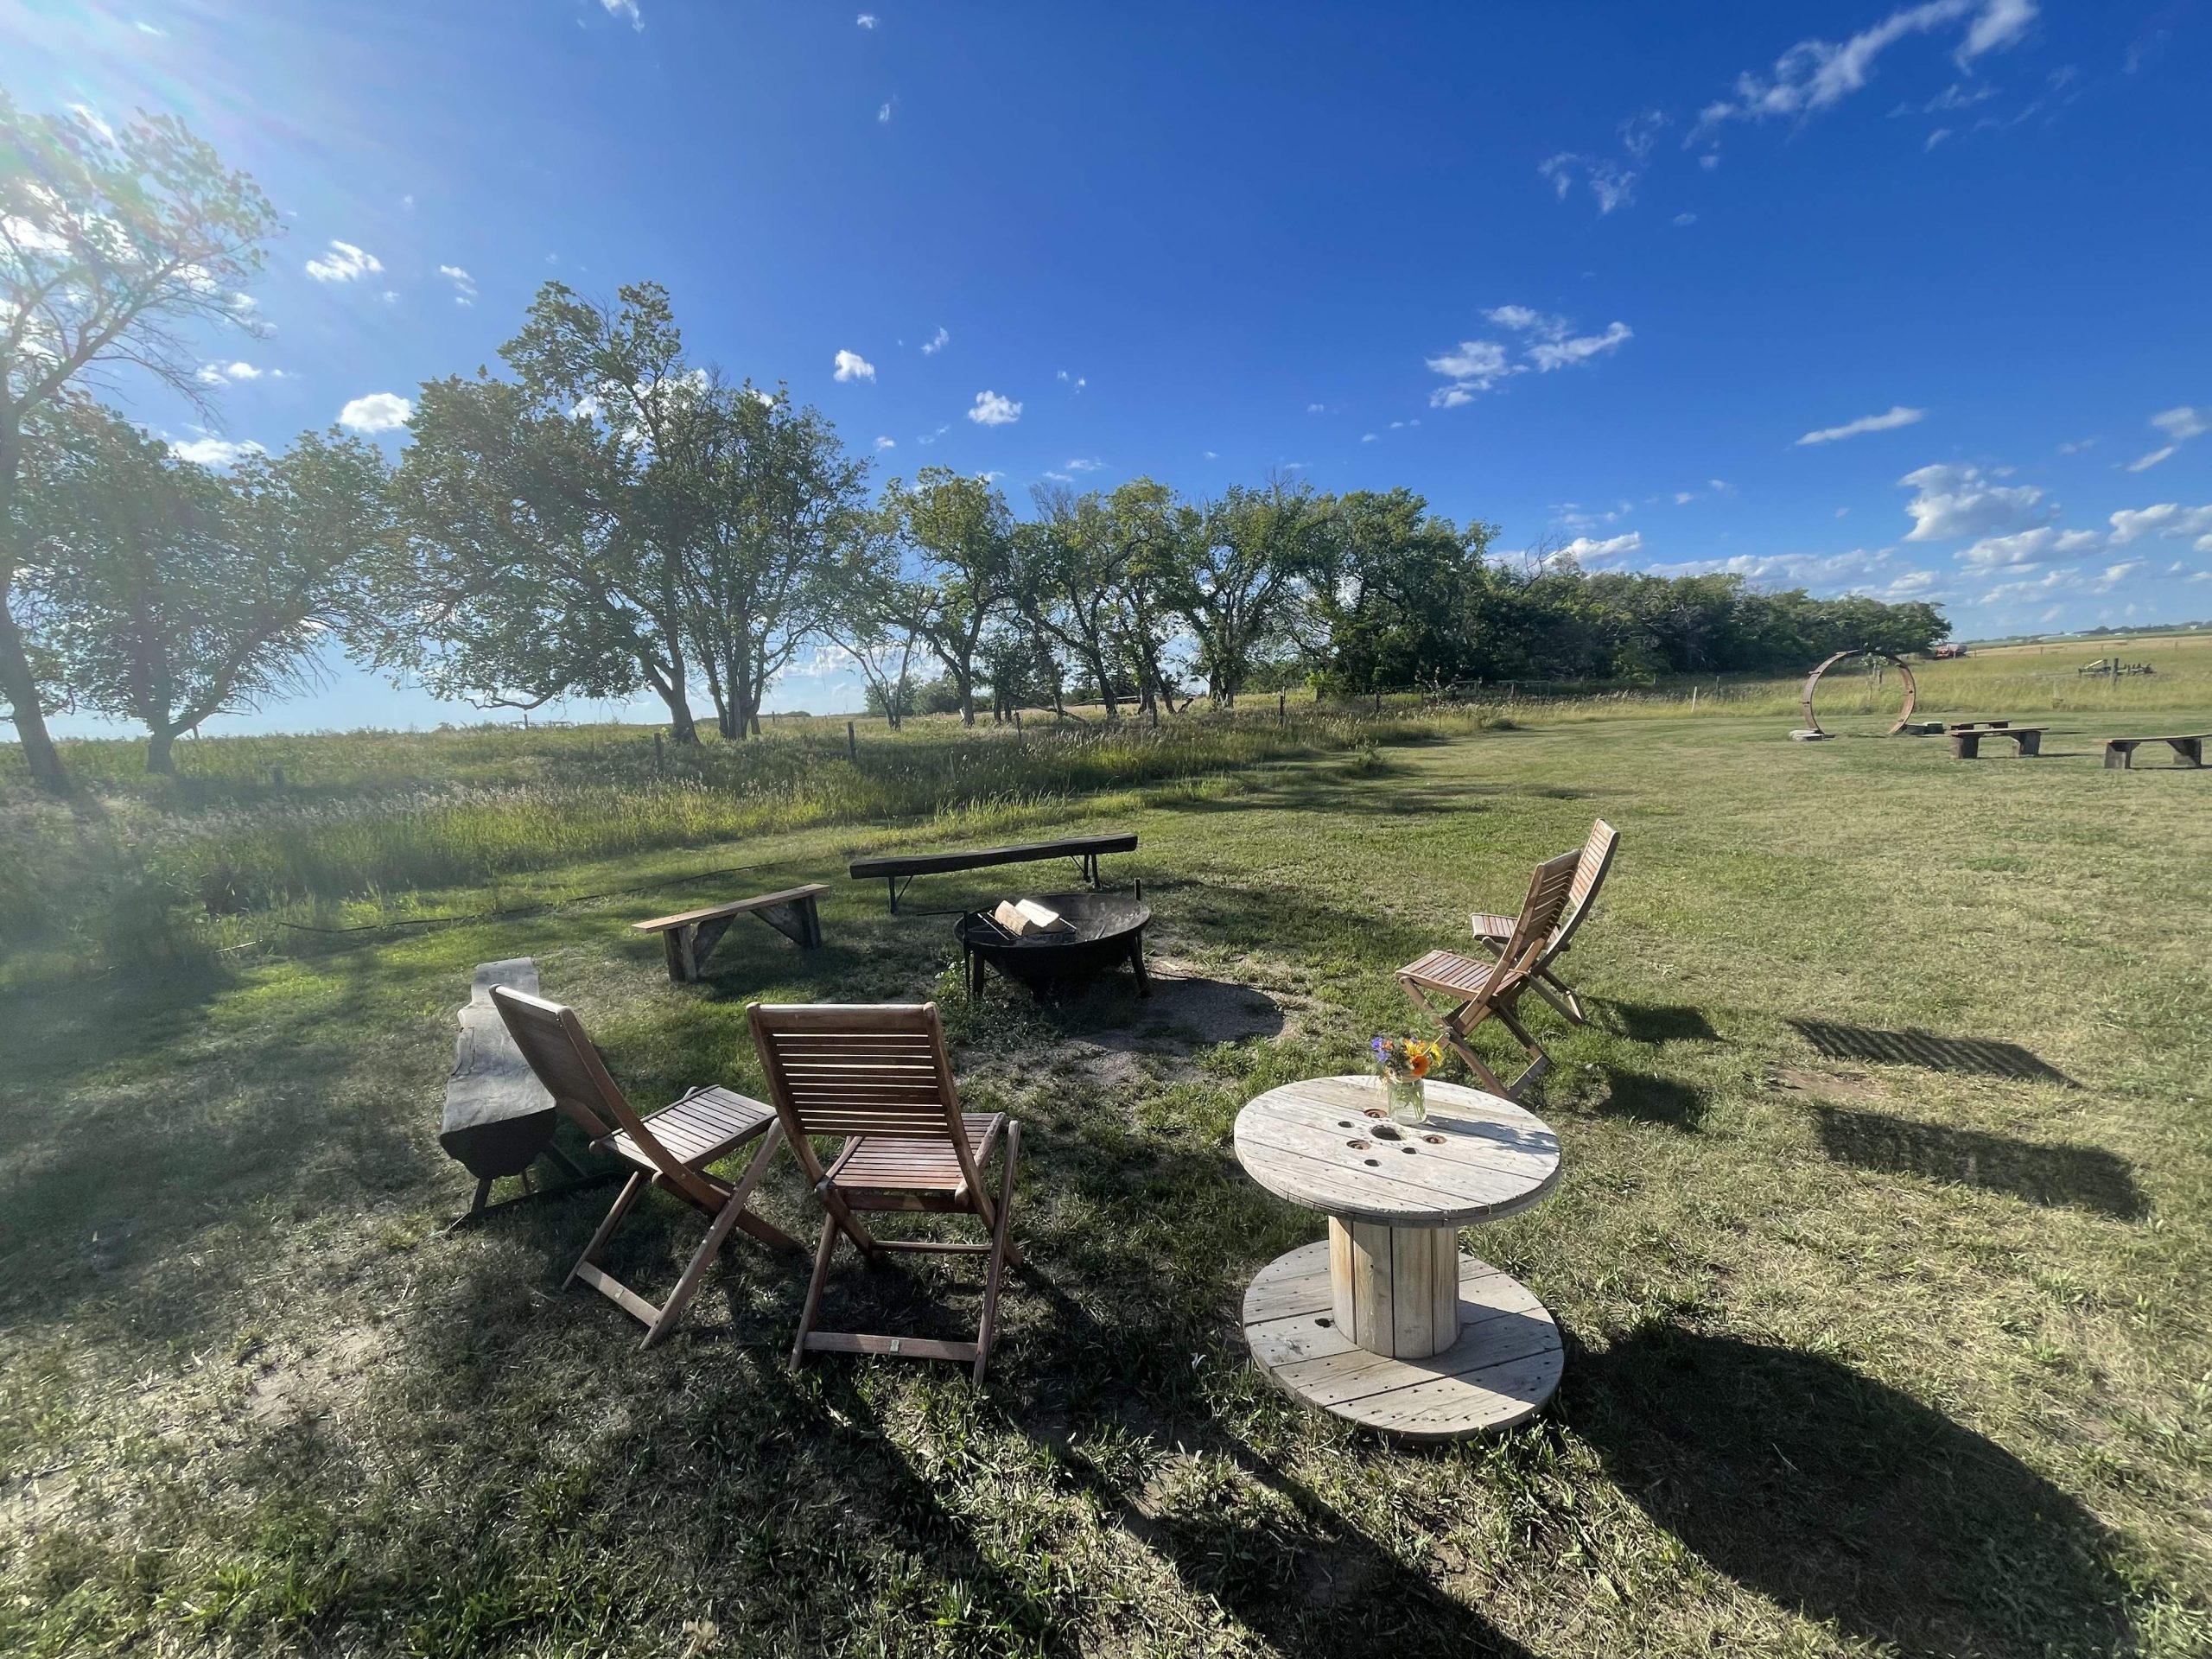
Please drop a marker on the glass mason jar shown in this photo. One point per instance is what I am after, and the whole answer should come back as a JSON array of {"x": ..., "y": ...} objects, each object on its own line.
[{"x": 1402, "y": 1094}]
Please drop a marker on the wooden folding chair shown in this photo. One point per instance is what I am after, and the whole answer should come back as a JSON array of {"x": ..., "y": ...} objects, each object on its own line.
[
  {"x": 877, "y": 1075},
  {"x": 1461, "y": 993},
  {"x": 1491, "y": 932},
  {"x": 670, "y": 1149}
]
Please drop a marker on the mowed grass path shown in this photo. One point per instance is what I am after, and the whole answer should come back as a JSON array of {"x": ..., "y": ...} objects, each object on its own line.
[{"x": 1882, "y": 1251}]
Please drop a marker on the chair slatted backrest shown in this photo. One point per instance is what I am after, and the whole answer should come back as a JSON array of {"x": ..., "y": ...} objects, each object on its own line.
[
  {"x": 1597, "y": 858},
  {"x": 567, "y": 1062},
  {"x": 860, "y": 1069},
  {"x": 1531, "y": 940}
]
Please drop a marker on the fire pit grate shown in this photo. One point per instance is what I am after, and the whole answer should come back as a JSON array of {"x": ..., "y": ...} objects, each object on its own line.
[{"x": 1107, "y": 930}]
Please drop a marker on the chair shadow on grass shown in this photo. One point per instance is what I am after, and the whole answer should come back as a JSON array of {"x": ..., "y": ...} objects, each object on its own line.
[
  {"x": 2084, "y": 1178},
  {"x": 1651, "y": 1022},
  {"x": 1829, "y": 1491},
  {"x": 1978, "y": 1056},
  {"x": 1650, "y": 1098}
]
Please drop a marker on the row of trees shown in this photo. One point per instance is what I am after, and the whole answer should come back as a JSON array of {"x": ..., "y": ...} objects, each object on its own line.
[{"x": 604, "y": 518}]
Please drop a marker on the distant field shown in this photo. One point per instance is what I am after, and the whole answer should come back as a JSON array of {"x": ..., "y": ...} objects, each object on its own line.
[{"x": 1883, "y": 1246}]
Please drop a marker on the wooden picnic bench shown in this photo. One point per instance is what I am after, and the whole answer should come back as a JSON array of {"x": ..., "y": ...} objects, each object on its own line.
[
  {"x": 688, "y": 936},
  {"x": 2189, "y": 750},
  {"x": 900, "y": 870},
  {"x": 1966, "y": 741},
  {"x": 499, "y": 1120}
]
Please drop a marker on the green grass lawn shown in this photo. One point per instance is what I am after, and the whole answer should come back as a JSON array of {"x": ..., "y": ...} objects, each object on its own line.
[{"x": 1881, "y": 1251}]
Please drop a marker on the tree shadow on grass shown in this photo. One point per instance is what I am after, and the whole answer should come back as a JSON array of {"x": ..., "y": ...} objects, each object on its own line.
[
  {"x": 2084, "y": 1178},
  {"x": 1834, "y": 1493},
  {"x": 1975, "y": 1055}
]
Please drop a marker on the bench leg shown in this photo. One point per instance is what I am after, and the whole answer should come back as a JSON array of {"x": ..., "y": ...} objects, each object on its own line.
[
  {"x": 796, "y": 922},
  {"x": 2028, "y": 743},
  {"x": 2189, "y": 752},
  {"x": 2118, "y": 757},
  {"x": 1965, "y": 745},
  {"x": 676, "y": 945}
]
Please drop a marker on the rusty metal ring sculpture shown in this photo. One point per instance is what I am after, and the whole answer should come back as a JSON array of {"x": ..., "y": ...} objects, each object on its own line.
[{"x": 1911, "y": 690}]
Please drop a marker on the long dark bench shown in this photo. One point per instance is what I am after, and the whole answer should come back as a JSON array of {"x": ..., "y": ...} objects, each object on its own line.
[
  {"x": 2188, "y": 747},
  {"x": 900, "y": 870}
]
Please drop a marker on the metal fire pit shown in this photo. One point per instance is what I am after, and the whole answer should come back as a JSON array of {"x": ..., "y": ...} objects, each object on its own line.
[{"x": 1109, "y": 931}]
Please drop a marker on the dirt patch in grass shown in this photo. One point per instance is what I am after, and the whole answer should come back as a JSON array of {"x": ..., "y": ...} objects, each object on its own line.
[{"x": 309, "y": 1383}]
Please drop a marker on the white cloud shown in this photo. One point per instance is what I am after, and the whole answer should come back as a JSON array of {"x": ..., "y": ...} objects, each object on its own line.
[
  {"x": 1208, "y": 454},
  {"x": 2145, "y": 463},
  {"x": 883, "y": 111},
  {"x": 1641, "y": 131},
  {"x": 2168, "y": 519},
  {"x": 2183, "y": 423},
  {"x": 464, "y": 285},
  {"x": 1474, "y": 365},
  {"x": 1899, "y": 415},
  {"x": 1584, "y": 549},
  {"x": 154, "y": 29},
  {"x": 1936, "y": 138},
  {"x": 943, "y": 337},
  {"x": 343, "y": 263},
  {"x": 1685, "y": 218},
  {"x": 1815, "y": 74},
  {"x": 625, "y": 9},
  {"x": 991, "y": 410},
  {"x": 218, "y": 374},
  {"x": 2076, "y": 446},
  {"x": 1708, "y": 161},
  {"x": 1074, "y": 383},
  {"x": 1913, "y": 584},
  {"x": 1957, "y": 502},
  {"x": 1059, "y": 477},
  {"x": 887, "y": 443},
  {"x": 1082, "y": 464},
  {"x": 1549, "y": 354},
  {"x": 1367, "y": 437},
  {"x": 928, "y": 438},
  {"x": 380, "y": 412},
  {"x": 866, "y": 20},
  {"x": 1611, "y": 184},
  {"x": 215, "y": 452},
  {"x": 851, "y": 366},
  {"x": 1316, "y": 409},
  {"x": 2037, "y": 546}
]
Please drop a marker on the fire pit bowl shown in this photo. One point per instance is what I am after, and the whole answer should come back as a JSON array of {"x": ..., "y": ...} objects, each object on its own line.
[{"x": 1108, "y": 929}]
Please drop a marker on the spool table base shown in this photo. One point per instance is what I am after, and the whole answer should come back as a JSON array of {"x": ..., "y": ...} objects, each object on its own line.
[{"x": 1504, "y": 1368}]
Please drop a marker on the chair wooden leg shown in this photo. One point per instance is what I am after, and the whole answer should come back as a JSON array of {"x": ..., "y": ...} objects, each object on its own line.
[
  {"x": 623, "y": 1200},
  {"x": 1540, "y": 1061},
  {"x": 1001, "y": 1249},
  {"x": 1455, "y": 1035},
  {"x": 730, "y": 1214},
  {"x": 806, "y": 1318},
  {"x": 1561, "y": 997}
]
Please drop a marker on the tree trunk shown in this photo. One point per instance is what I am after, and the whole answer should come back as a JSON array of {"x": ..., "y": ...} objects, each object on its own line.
[
  {"x": 19, "y": 687},
  {"x": 159, "y": 757}
]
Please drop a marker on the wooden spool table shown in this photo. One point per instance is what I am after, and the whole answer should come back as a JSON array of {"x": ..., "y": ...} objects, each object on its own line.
[{"x": 1385, "y": 1323}]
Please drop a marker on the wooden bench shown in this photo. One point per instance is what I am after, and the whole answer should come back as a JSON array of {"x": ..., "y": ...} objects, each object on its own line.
[
  {"x": 1966, "y": 741},
  {"x": 688, "y": 936},
  {"x": 900, "y": 870},
  {"x": 499, "y": 1121},
  {"x": 2189, "y": 750}
]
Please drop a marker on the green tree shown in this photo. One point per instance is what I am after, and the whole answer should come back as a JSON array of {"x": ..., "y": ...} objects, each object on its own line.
[
  {"x": 544, "y": 556},
  {"x": 169, "y": 594},
  {"x": 1242, "y": 576},
  {"x": 958, "y": 533},
  {"x": 772, "y": 532},
  {"x": 1064, "y": 574},
  {"x": 113, "y": 249}
]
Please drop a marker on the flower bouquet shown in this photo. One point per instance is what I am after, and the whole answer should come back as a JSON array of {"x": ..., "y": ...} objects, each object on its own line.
[{"x": 1403, "y": 1062}]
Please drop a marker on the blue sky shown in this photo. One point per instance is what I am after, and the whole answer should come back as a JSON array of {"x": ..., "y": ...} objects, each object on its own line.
[{"x": 1903, "y": 298}]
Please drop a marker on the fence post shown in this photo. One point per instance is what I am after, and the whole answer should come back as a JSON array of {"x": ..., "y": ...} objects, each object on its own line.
[
  {"x": 1378, "y": 705},
  {"x": 1017, "y": 722},
  {"x": 1283, "y": 708},
  {"x": 852, "y": 743},
  {"x": 660, "y": 765}
]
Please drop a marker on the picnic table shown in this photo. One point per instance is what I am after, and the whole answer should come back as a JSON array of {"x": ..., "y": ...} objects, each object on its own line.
[
  {"x": 900, "y": 869},
  {"x": 1385, "y": 1323},
  {"x": 2189, "y": 750}
]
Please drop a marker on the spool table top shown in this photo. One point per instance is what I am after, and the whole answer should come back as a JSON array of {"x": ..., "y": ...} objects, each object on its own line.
[{"x": 1321, "y": 1143}]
